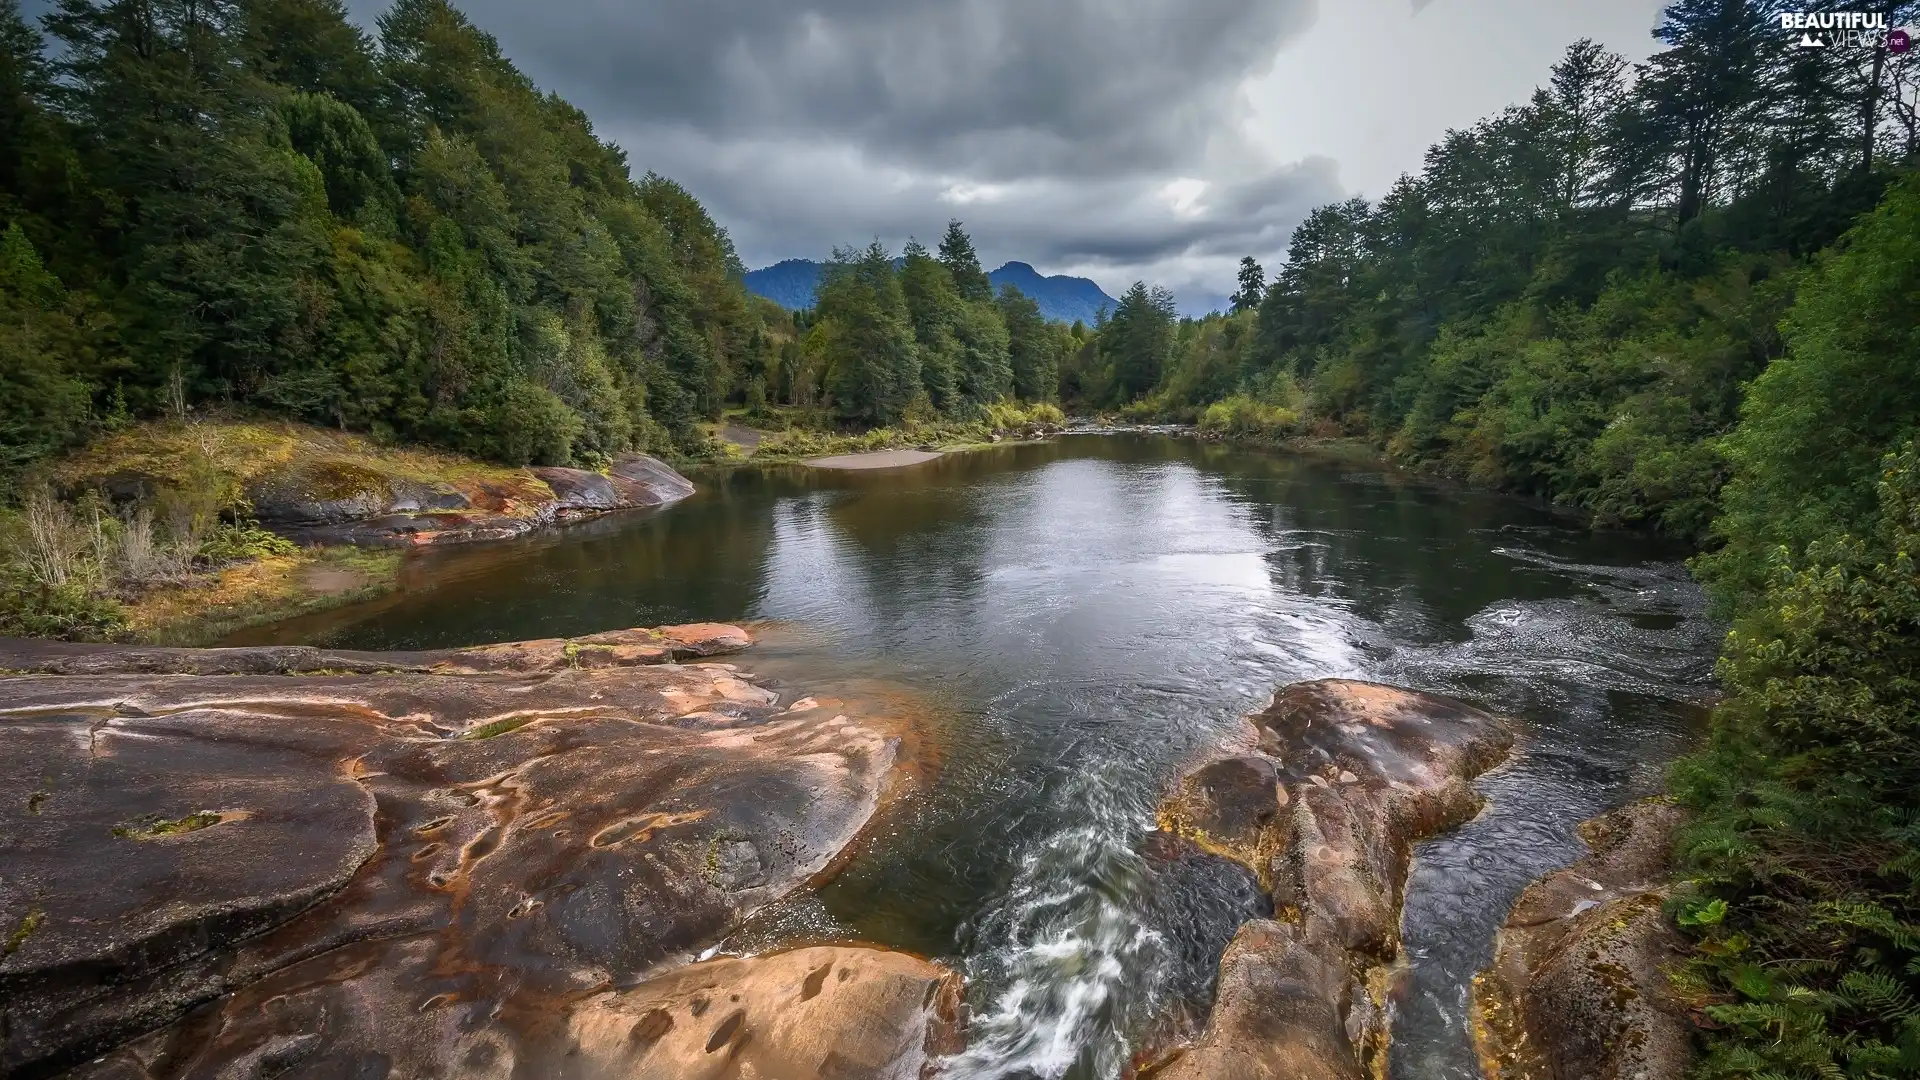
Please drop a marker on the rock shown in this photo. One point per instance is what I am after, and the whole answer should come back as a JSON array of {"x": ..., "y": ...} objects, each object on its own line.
[
  {"x": 1277, "y": 1015},
  {"x": 430, "y": 866},
  {"x": 617, "y": 648},
  {"x": 644, "y": 480},
  {"x": 1301, "y": 997},
  {"x": 343, "y": 501},
  {"x": 1578, "y": 989},
  {"x": 1232, "y": 806},
  {"x": 579, "y": 491},
  {"x": 820, "y": 1012}
]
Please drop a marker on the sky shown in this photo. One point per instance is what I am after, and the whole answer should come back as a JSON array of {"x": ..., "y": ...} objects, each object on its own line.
[{"x": 1121, "y": 140}]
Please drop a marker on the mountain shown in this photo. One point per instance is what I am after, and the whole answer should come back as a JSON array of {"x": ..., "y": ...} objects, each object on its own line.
[
  {"x": 791, "y": 283},
  {"x": 1060, "y": 297}
]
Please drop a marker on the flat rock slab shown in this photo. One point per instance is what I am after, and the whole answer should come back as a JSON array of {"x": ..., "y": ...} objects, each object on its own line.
[
  {"x": 1578, "y": 989},
  {"x": 331, "y": 503},
  {"x": 879, "y": 459},
  {"x": 616, "y": 648},
  {"x": 1339, "y": 781},
  {"x": 431, "y": 863}
]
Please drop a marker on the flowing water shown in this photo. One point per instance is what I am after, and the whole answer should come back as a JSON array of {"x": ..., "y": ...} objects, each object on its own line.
[{"x": 1076, "y": 619}]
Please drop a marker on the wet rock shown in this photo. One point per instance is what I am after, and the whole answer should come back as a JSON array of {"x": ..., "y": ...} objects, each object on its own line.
[
  {"x": 616, "y": 648},
  {"x": 344, "y": 502},
  {"x": 1277, "y": 1015},
  {"x": 579, "y": 491},
  {"x": 820, "y": 1012},
  {"x": 1195, "y": 901},
  {"x": 421, "y": 871},
  {"x": 1360, "y": 772},
  {"x": 1234, "y": 806},
  {"x": 1578, "y": 989}
]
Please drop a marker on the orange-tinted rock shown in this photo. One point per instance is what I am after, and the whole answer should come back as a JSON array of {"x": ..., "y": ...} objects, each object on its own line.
[
  {"x": 617, "y": 648},
  {"x": 338, "y": 503},
  {"x": 425, "y": 867},
  {"x": 1360, "y": 773},
  {"x": 1277, "y": 1015},
  {"x": 1578, "y": 989}
]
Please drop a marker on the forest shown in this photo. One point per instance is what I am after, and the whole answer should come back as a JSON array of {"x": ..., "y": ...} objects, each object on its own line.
[
  {"x": 1679, "y": 295},
  {"x": 254, "y": 207}
]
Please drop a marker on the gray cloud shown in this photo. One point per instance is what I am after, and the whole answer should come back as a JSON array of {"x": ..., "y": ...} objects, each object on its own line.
[
  {"x": 1054, "y": 128},
  {"x": 999, "y": 89}
]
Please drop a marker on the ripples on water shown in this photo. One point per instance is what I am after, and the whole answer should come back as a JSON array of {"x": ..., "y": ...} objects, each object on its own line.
[{"x": 1083, "y": 617}]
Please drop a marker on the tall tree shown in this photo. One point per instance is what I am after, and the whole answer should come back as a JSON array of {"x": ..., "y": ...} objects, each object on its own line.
[
  {"x": 957, "y": 255},
  {"x": 1253, "y": 286},
  {"x": 1138, "y": 340}
]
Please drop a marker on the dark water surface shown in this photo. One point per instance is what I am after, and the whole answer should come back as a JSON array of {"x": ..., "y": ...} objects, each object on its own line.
[{"x": 1076, "y": 619}]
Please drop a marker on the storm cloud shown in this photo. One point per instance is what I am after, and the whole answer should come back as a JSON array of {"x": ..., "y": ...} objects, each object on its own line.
[{"x": 1079, "y": 135}]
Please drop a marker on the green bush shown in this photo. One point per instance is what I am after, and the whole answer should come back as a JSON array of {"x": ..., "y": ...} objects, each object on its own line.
[
  {"x": 236, "y": 543},
  {"x": 1804, "y": 853},
  {"x": 70, "y": 612},
  {"x": 1242, "y": 417}
]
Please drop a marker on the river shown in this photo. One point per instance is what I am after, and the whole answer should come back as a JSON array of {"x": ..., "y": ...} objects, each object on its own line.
[{"x": 1074, "y": 620}]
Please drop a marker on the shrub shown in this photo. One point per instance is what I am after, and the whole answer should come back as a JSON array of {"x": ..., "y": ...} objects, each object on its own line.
[
  {"x": 1805, "y": 850},
  {"x": 1242, "y": 417}
]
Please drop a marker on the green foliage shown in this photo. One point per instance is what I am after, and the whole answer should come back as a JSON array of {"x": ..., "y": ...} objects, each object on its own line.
[
  {"x": 865, "y": 327},
  {"x": 250, "y": 202},
  {"x": 1242, "y": 417},
  {"x": 1846, "y": 392},
  {"x": 1805, "y": 845}
]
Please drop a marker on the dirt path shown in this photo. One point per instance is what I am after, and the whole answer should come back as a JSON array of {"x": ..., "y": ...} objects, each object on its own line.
[{"x": 744, "y": 437}]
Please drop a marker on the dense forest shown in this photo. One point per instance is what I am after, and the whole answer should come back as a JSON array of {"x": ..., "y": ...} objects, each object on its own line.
[
  {"x": 1683, "y": 294},
  {"x": 253, "y": 205}
]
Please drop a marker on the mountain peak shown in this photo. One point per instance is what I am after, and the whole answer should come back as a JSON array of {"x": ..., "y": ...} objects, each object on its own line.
[{"x": 791, "y": 282}]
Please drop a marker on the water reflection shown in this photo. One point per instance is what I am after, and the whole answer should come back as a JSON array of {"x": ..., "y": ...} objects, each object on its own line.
[{"x": 1081, "y": 617}]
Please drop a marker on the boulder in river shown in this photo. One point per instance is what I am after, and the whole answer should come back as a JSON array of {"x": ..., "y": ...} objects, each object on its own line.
[
  {"x": 362, "y": 502},
  {"x": 1346, "y": 778},
  {"x": 1578, "y": 989},
  {"x": 311, "y": 863}
]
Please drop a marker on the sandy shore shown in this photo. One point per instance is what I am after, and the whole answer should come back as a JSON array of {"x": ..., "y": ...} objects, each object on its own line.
[{"x": 879, "y": 459}]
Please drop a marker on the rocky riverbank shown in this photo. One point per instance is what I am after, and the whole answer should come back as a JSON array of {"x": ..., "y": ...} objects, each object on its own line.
[
  {"x": 1578, "y": 989},
  {"x": 500, "y": 861},
  {"x": 1333, "y": 784},
  {"x": 185, "y": 533}
]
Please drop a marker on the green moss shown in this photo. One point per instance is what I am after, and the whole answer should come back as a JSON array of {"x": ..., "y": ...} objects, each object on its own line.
[
  {"x": 336, "y": 479},
  {"x": 22, "y": 932},
  {"x": 155, "y": 827},
  {"x": 498, "y": 727}
]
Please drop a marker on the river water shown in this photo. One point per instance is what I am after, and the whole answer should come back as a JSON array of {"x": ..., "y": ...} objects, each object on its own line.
[{"x": 1073, "y": 620}]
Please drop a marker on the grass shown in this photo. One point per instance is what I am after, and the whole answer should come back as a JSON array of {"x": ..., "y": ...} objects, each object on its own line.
[
  {"x": 249, "y": 451},
  {"x": 498, "y": 727},
  {"x": 21, "y": 932},
  {"x": 260, "y": 591},
  {"x": 997, "y": 422}
]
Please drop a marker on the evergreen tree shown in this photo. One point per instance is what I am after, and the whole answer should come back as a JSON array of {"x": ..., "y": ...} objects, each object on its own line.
[
  {"x": 1138, "y": 340},
  {"x": 1253, "y": 286},
  {"x": 957, "y": 255},
  {"x": 1034, "y": 346},
  {"x": 873, "y": 370}
]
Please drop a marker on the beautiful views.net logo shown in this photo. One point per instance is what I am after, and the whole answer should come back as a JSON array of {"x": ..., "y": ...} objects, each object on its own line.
[{"x": 1844, "y": 29}]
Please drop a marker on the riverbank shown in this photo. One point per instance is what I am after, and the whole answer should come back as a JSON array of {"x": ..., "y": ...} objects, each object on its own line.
[{"x": 181, "y": 533}]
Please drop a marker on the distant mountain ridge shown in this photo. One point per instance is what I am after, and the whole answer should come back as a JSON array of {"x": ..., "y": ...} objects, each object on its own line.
[{"x": 791, "y": 283}]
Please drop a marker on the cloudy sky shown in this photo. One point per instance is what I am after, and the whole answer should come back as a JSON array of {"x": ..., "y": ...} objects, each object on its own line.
[{"x": 1119, "y": 139}]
